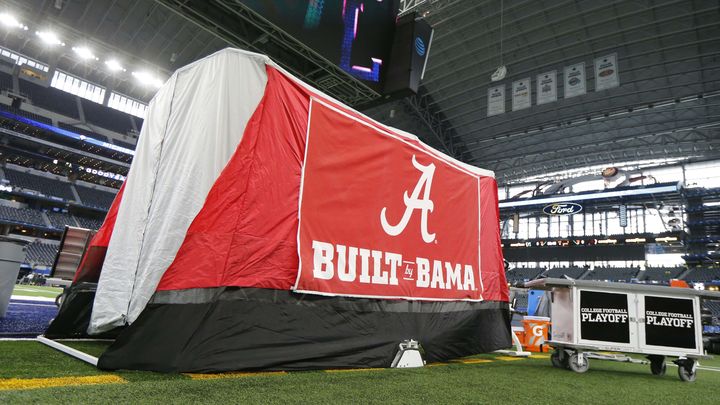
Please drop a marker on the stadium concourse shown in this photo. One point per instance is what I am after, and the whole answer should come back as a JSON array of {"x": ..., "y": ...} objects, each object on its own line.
[{"x": 359, "y": 201}]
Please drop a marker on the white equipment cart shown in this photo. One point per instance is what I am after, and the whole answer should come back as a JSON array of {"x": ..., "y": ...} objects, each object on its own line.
[{"x": 656, "y": 321}]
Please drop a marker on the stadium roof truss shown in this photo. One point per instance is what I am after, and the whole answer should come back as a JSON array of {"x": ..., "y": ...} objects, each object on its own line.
[{"x": 668, "y": 54}]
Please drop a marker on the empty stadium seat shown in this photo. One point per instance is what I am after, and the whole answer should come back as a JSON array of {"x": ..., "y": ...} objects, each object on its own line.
[
  {"x": 26, "y": 114},
  {"x": 106, "y": 117},
  {"x": 703, "y": 274},
  {"x": 60, "y": 220},
  {"x": 521, "y": 275},
  {"x": 40, "y": 184},
  {"x": 50, "y": 99},
  {"x": 624, "y": 274},
  {"x": 661, "y": 274},
  {"x": 82, "y": 131},
  {"x": 5, "y": 81},
  {"x": 21, "y": 216},
  {"x": 95, "y": 198},
  {"x": 39, "y": 253},
  {"x": 88, "y": 223},
  {"x": 124, "y": 144},
  {"x": 560, "y": 272}
]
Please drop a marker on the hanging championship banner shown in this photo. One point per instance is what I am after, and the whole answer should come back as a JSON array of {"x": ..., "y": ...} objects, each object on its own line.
[
  {"x": 547, "y": 87},
  {"x": 521, "y": 94},
  {"x": 575, "y": 80},
  {"x": 606, "y": 72},
  {"x": 496, "y": 100}
]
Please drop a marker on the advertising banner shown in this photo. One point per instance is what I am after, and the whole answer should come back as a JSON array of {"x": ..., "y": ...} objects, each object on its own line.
[
  {"x": 606, "y": 72},
  {"x": 604, "y": 317},
  {"x": 496, "y": 100},
  {"x": 546, "y": 87},
  {"x": 521, "y": 94},
  {"x": 669, "y": 322},
  {"x": 574, "y": 80},
  {"x": 382, "y": 216}
]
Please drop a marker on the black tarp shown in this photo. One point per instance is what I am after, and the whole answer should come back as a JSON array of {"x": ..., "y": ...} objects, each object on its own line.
[
  {"x": 73, "y": 316},
  {"x": 213, "y": 330}
]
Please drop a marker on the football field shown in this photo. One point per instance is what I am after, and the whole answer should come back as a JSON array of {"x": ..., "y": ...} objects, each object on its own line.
[{"x": 32, "y": 372}]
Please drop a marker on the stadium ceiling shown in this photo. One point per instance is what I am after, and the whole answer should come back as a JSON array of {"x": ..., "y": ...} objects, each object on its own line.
[{"x": 667, "y": 105}]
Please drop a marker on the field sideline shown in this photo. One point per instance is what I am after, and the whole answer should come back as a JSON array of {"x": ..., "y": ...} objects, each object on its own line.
[
  {"x": 36, "y": 291},
  {"x": 31, "y": 372}
]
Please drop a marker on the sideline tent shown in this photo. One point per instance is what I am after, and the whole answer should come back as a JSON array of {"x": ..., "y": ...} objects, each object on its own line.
[{"x": 264, "y": 225}]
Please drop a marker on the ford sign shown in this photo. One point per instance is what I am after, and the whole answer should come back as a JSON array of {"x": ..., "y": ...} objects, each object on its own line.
[{"x": 562, "y": 209}]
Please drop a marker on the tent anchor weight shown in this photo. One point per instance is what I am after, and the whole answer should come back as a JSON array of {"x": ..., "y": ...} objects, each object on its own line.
[
  {"x": 518, "y": 352},
  {"x": 68, "y": 350},
  {"x": 409, "y": 355}
]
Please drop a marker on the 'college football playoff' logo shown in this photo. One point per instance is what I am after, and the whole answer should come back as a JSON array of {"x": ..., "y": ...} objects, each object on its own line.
[{"x": 412, "y": 203}]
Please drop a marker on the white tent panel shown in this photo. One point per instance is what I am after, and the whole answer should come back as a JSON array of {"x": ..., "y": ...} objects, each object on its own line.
[{"x": 193, "y": 127}]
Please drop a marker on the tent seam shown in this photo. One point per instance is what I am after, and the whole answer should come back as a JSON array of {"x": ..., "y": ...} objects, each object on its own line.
[{"x": 152, "y": 194}]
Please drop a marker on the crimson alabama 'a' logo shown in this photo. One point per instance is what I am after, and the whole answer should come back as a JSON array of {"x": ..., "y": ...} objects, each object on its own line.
[{"x": 413, "y": 202}]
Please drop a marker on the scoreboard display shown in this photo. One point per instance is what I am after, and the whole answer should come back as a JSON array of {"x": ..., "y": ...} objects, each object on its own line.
[
  {"x": 356, "y": 35},
  {"x": 626, "y": 247}
]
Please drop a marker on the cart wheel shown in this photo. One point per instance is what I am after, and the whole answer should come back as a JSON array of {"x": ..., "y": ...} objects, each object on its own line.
[
  {"x": 686, "y": 370},
  {"x": 657, "y": 365},
  {"x": 574, "y": 362}
]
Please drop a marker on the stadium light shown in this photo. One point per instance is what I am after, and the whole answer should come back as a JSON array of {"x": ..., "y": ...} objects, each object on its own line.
[
  {"x": 9, "y": 21},
  {"x": 49, "y": 38},
  {"x": 147, "y": 79},
  {"x": 114, "y": 66},
  {"x": 84, "y": 53}
]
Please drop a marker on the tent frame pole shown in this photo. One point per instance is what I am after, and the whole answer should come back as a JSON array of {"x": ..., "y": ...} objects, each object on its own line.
[{"x": 68, "y": 350}]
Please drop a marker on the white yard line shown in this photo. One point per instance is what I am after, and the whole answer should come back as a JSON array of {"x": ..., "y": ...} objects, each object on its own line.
[
  {"x": 29, "y": 298},
  {"x": 48, "y": 305},
  {"x": 35, "y": 290},
  {"x": 708, "y": 368}
]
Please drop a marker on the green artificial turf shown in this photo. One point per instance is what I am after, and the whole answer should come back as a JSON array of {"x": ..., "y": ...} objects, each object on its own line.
[
  {"x": 522, "y": 381},
  {"x": 37, "y": 291}
]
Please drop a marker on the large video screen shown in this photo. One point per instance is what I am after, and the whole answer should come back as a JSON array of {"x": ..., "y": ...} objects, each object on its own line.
[{"x": 356, "y": 35}]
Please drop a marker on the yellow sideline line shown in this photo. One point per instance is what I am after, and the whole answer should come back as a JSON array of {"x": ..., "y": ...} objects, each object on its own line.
[
  {"x": 508, "y": 358},
  {"x": 35, "y": 383},
  {"x": 352, "y": 370},
  {"x": 239, "y": 374},
  {"x": 232, "y": 374},
  {"x": 475, "y": 361}
]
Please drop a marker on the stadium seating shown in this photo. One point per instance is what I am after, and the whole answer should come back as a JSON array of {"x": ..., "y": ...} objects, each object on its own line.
[
  {"x": 660, "y": 274},
  {"x": 124, "y": 144},
  {"x": 95, "y": 198},
  {"x": 59, "y": 220},
  {"x": 21, "y": 216},
  {"x": 714, "y": 307},
  {"x": 624, "y": 274},
  {"x": 82, "y": 131},
  {"x": 89, "y": 223},
  {"x": 5, "y": 81},
  {"x": 521, "y": 299},
  {"x": 703, "y": 274},
  {"x": 560, "y": 272},
  {"x": 50, "y": 99},
  {"x": 521, "y": 275},
  {"x": 106, "y": 118},
  {"x": 39, "y": 253},
  {"x": 26, "y": 114},
  {"x": 40, "y": 184}
]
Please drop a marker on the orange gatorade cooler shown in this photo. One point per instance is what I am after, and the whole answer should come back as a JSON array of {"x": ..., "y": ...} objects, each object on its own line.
[{"x": 536, "y": 333}]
